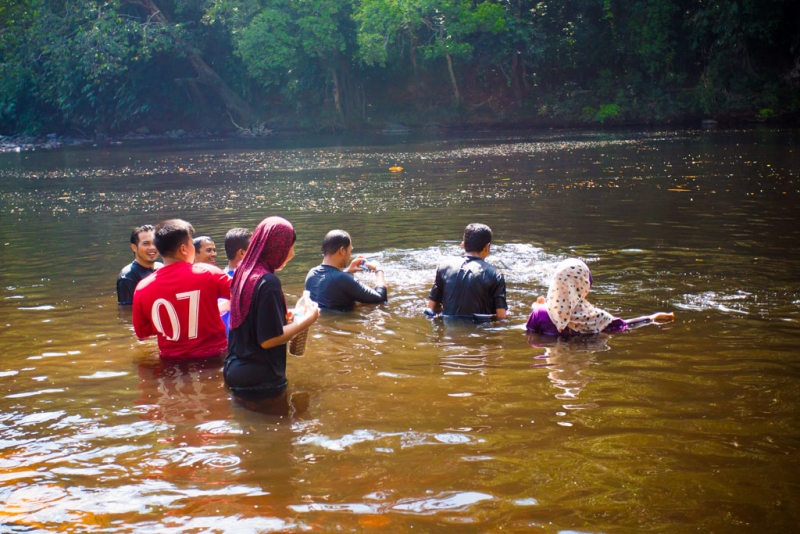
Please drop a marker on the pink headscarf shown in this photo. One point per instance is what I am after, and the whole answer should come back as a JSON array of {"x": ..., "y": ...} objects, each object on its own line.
[{"x": 267, "y": 251}]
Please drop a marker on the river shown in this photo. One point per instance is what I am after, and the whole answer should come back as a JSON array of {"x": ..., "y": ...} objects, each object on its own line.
[{"x": 415, "y": 425}]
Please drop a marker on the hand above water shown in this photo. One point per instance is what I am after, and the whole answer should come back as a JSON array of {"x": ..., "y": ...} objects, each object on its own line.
[
  {"x": 355, "y": 265},
  {"x": 662, "y": 317}
]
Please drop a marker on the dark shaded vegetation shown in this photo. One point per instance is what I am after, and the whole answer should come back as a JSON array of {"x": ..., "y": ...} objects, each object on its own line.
[{"x": 89, "y": 67}]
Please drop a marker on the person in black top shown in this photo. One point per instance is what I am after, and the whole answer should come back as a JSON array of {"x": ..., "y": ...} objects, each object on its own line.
[
  {"x": 143, "y": 265},
  {"x": 261, "y": 324},
  {"x": 469, "y": 286},
  {"x": 332, "y": 284}
]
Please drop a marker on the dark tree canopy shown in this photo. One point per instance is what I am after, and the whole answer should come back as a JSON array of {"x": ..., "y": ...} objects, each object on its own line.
[{"x": 104, "y": 66}]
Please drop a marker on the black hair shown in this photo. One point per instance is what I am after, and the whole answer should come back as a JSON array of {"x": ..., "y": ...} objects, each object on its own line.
[
  {"x": 334, "y": 240},
  {"x": 198, "y": 242},
  {"x": 235, "y": 240},
  {"x": 138, "y": 230},
  {"x": 476, "y": 237},
  {"x": 171, "y": 234}
]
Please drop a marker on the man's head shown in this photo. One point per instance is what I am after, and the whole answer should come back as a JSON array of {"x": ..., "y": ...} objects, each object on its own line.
[
  {"x": 205, "y": 250},
  {"x": 144, "y": 249},
  {"x": 337, "y": 248},
  {"x": 236, "y": 242},
  {"x": 173, "y": 239},
  {"x": 476, "y": 239}
]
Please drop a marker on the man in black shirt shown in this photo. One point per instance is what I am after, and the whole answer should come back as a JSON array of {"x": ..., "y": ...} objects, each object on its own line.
[
  {"x": 469, "y": 286},
  {"x": 333, "y": 288},
  {"x": 143, "y": 265}
]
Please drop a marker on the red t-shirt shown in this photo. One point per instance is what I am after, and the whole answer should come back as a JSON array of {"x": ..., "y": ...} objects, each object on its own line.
[{"x": 180, "y": 306}]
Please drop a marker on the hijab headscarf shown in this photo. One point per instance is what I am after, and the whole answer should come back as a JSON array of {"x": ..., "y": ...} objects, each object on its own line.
[
  {"x": 566, "y": 300},
  {"x": 267, "y": 251}
]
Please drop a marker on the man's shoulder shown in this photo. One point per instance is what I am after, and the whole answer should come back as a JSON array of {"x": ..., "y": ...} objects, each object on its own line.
[
  {"x": 202, "y": 268},
  {"x": 449, "y": 264},
  {"x": 126, "y": 271},
  {"x": 329, "y": 272}
]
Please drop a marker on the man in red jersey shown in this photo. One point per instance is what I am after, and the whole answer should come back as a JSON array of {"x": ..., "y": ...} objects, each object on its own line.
[{"x": 180, "y": 304}]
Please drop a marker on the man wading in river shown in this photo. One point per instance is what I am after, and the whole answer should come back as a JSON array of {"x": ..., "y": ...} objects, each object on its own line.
[
  {"x": 178, "y": 303},
  {"x": 143, "y": 265},
  {"x": 469, "y": 286},
  {"x": 332, "y": 284}
]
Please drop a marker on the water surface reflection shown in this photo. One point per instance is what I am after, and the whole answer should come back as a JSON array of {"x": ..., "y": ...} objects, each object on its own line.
[{"x": 409, "y": 422}]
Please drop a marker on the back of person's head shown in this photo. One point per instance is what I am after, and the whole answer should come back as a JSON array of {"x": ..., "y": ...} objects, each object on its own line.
[
  {"x": 235, "y": 240},
  {"x": 198, "y": 242},
  {"x": 138, "y": 230},
  {"x": 171, "y": 234},
  {"x": 334, "y": 240},
  {"x": 476, "y": 237}
]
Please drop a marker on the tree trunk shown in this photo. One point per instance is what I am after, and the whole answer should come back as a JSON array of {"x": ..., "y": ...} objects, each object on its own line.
[
  {"x": 456, "y": 94},
  {"x": 515, "y": 76},
  {"x": 413, "y": 54},
  {"x": 337, "y": 97},
  {"x": 232, "y": 101}
]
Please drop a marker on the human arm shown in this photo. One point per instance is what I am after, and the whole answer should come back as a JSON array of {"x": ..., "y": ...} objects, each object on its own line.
[
  {"x": 436, "y": 295},
  {"x": 356, "y": 264},
  {"x": 292, "y": 329},
  {"x": 501, "y": 307},
  {"x": 223, "y": 282},
  {"x": 659, "y": 317},
  {"x": 434, "y": 307},
  {"x": 142, "y": 325},
  {"x": 360, "y": 292},
  {"x": 380, "y": 279},
  {"x": 125, "y": 289}
]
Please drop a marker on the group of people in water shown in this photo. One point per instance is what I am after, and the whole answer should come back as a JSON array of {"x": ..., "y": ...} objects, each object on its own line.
[{"x": 198, "y": 310}]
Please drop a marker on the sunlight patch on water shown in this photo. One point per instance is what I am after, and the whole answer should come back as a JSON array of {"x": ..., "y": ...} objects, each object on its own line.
[
  {"x": 105, "y": 374},
  {"x": 407, "y": 439},
  {"x": 710, "y": 300},
  {"x": 54, "y": 504},
  {"x": 34, "y": 393},
  {"x": 451, "y": 501}
]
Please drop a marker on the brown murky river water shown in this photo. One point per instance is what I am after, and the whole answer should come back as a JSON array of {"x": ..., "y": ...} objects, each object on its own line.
[{"x": 413, "y": 425}]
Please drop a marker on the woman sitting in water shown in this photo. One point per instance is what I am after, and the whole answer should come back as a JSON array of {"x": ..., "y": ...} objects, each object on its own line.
[
  {"x": 255, "y": 368},
  {"x": 566, "y": 311}
]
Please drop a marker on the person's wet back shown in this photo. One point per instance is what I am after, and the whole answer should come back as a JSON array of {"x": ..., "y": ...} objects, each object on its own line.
[
  {"x": 332, "y": 284},
  {"x": 469, "y": 286},
  {"x": 143, "y": 265},
  {"x": 178, "y": 302},
  {"x": 566, "y": 312}
]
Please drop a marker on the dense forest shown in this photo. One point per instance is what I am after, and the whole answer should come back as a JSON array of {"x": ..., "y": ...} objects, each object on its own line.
[{"x": 99, "y": 67}]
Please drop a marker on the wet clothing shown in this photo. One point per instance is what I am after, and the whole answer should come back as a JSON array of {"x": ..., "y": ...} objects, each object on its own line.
[
  {"x": 566, "y": 302},
  {"x": 334, "y": 289},
  {"x": 178, "y": 303},
  {"x": 467, "y": 286},
  {"x": 226, "y": 315},
  {"x": 249, "y": 368},
  {"x": 540, "y": 323},
  {"x": 129, "y": 277}
]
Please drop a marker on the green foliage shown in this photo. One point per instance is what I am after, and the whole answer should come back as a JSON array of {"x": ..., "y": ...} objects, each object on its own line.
[
  {"x": 765, "y": 113},
  {"x": 607, "y": 111},
  {"x": 110, "y": 65}
]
